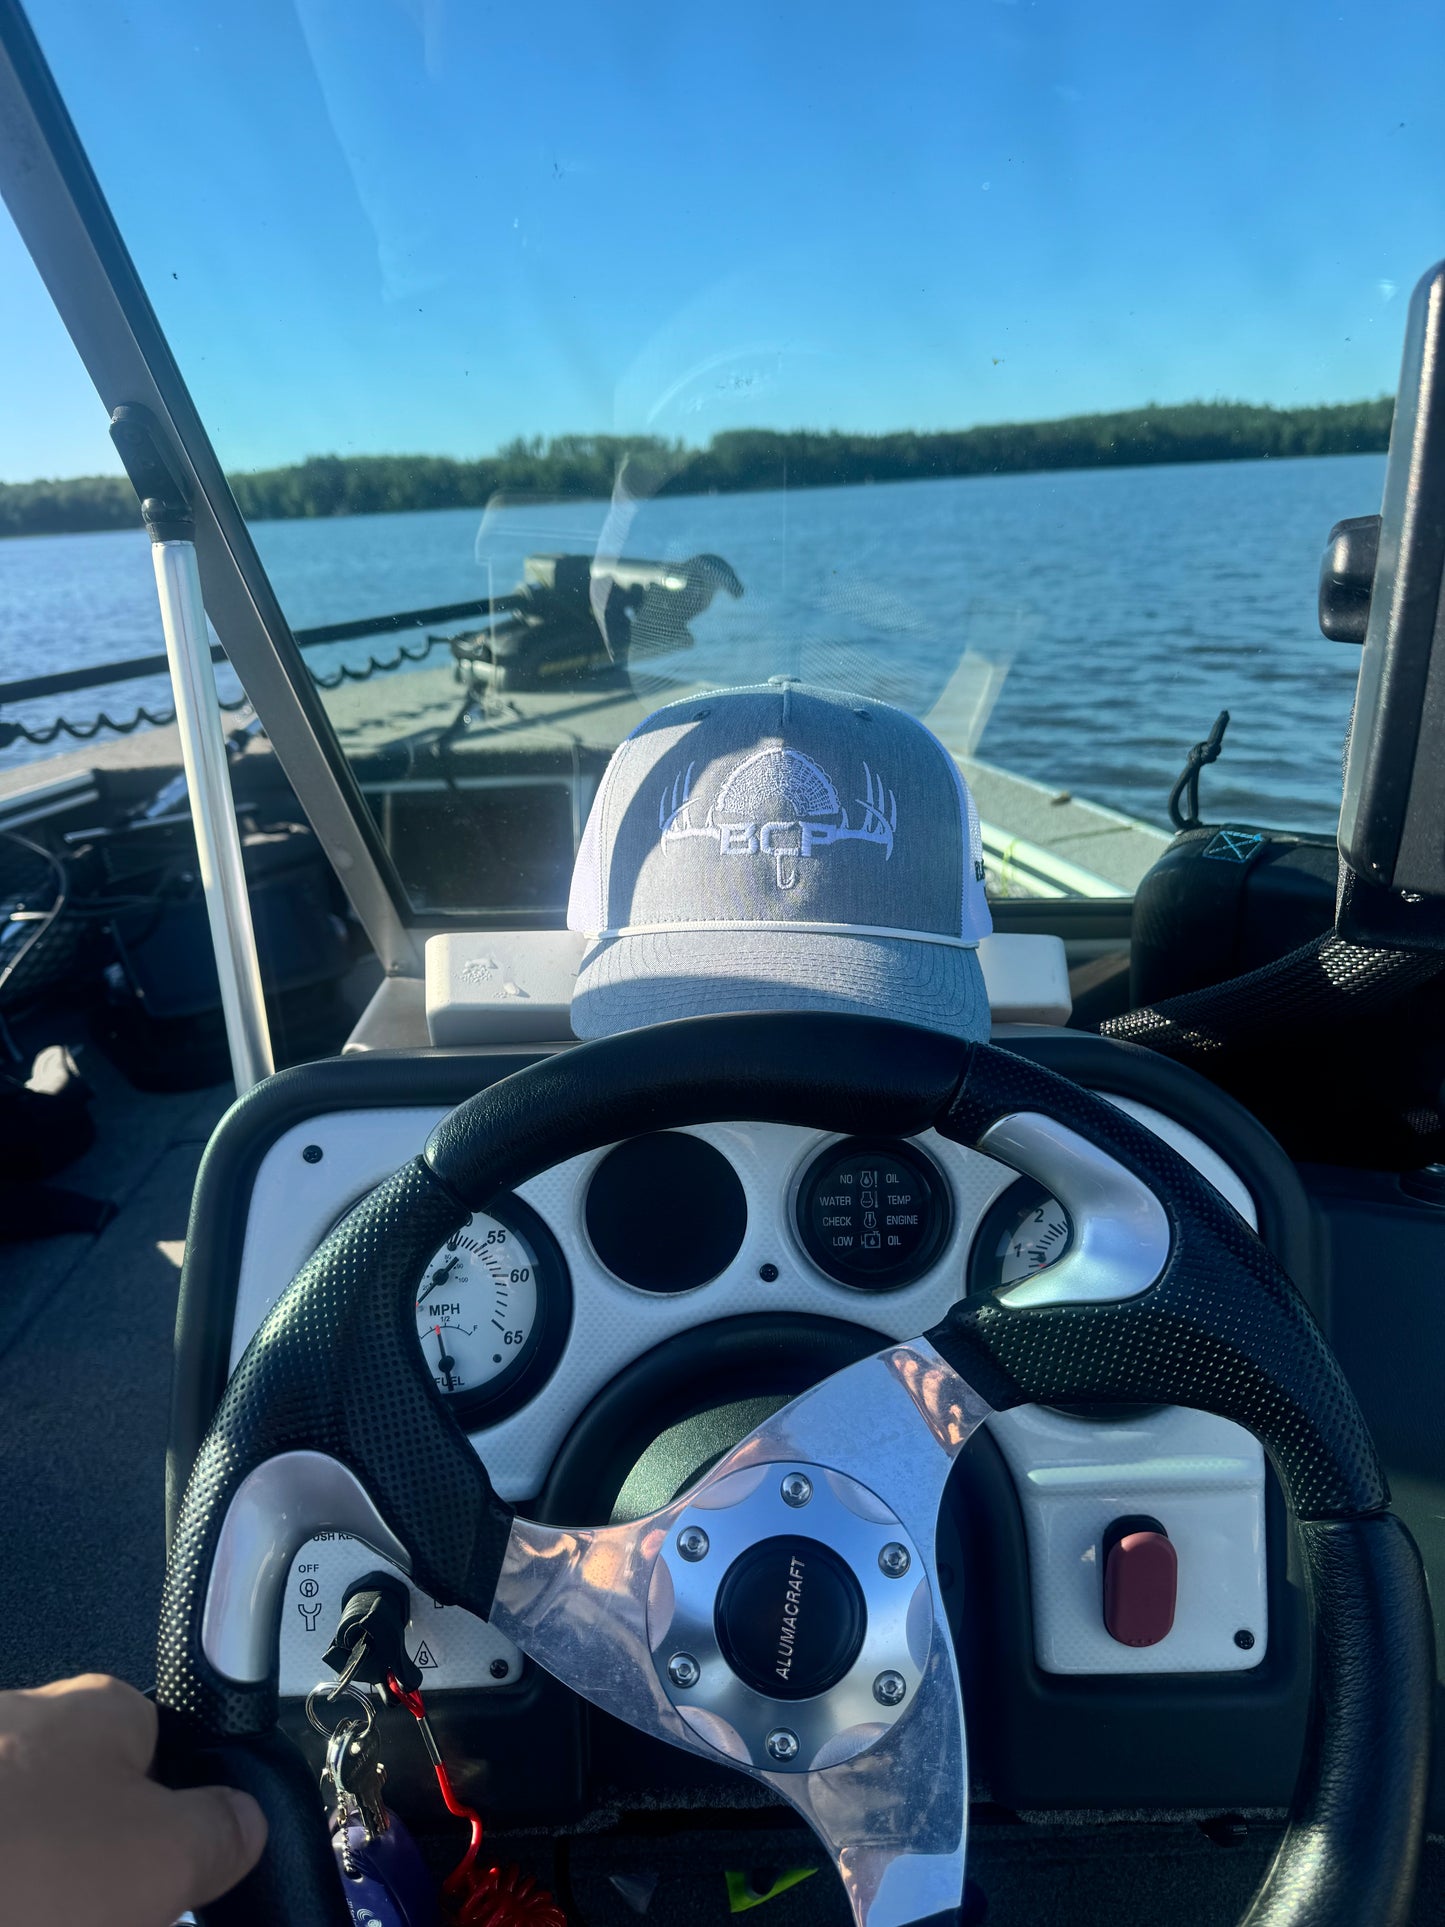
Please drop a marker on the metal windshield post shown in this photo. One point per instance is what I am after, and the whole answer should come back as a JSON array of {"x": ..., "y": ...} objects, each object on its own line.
[{"x": 171, "y": 529}]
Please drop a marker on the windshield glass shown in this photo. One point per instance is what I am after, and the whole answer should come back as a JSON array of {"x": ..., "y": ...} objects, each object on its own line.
[{"x": 1006, "y": 362}]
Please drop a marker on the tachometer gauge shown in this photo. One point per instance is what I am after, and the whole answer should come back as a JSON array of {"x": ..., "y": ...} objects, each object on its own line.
[
  {"x": 1023, "y": 1232},
  {"x": 492, "y": 1312}
]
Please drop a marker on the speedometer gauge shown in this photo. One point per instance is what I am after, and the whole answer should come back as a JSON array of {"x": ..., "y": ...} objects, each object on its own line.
[
  {"x": 492, "y": 1312},
  {"x": 1023, "y": 1232}
]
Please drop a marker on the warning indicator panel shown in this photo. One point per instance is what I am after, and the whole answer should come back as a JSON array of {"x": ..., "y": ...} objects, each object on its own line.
[{"x": 874, "y": 1215}]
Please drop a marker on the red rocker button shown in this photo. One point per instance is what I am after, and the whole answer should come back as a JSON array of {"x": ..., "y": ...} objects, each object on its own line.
[{"x": 1141, "y": 1582}]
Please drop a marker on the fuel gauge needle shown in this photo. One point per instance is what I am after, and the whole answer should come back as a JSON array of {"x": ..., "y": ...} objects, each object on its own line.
[{"x": 445, "y": 1364}]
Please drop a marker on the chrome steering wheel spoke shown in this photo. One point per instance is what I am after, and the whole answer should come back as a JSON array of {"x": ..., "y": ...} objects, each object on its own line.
[{"x": 784, "y": 1616}]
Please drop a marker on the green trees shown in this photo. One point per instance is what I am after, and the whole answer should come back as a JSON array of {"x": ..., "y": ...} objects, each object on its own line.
[
  {"x": 50, "y": 508},
  {"x": 737, "y": 460}
]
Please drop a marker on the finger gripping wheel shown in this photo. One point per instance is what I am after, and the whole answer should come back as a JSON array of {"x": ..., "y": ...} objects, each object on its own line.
[{"x": 805, "y": 1559}]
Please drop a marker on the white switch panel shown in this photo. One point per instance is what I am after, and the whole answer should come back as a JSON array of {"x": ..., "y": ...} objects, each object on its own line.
[{"x": 1201, "y": 1477}]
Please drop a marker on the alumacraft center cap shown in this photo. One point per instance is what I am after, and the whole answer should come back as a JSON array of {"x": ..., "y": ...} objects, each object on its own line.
[{"x": 790, "y": 1617}]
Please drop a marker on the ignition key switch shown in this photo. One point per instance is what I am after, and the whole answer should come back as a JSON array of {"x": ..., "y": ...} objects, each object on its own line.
[{"x": 370, "y": 1642}]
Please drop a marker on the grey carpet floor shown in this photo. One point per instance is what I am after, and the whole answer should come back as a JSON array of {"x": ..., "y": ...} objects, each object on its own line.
[{"x": 85, "y": 1358}]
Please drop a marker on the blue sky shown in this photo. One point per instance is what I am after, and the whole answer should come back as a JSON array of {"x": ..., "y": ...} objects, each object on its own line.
[{"x": 430, "y": 225}]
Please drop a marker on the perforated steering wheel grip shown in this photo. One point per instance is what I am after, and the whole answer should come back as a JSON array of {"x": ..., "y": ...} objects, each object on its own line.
[
  {"x": 1219, "y": 1326},
  {"x": 1167, "y": 1297}
]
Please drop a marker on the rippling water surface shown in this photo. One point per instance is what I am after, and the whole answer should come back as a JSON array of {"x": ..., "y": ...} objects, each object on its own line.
[{"x": 1125, "y": 608}]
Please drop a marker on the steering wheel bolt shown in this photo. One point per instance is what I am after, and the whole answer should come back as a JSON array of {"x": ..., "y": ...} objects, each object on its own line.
[
  {"x": 894, "y": 1560},
  {"x": 782, "y": 1744},
  {"x": 683, "y": 1670},
  {"x": 693, "y": 1543},
  {"x": 797, "y": 1489},
  {"x": 889, "y": 1688}
]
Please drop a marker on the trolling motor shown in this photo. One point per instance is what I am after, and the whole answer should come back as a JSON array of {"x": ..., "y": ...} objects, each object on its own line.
[{"x": 574, "y": 617}]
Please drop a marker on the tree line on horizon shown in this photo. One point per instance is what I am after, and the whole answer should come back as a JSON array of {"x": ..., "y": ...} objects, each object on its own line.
[{"x": 733, "y": 462}]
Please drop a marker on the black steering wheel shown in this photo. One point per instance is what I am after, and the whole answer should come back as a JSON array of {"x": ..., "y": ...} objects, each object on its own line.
[{"x": 784, "y": 1614}]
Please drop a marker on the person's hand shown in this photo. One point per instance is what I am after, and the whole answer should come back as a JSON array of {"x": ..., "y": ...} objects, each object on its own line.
[{"x": 86, "y": 1839}]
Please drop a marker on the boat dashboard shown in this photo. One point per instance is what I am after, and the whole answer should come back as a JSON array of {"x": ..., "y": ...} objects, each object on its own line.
[{"x": 608, "y": 1330}]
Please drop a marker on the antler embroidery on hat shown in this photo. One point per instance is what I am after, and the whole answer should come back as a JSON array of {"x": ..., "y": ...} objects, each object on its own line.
[{"x": 779, "y": 803}]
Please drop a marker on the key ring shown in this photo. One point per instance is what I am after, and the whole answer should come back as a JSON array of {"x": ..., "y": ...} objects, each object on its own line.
[{"x": 328, "y": 1691}]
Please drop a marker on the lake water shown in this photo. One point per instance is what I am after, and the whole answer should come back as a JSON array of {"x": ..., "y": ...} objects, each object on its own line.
[{"x": 1124, "y": 607}]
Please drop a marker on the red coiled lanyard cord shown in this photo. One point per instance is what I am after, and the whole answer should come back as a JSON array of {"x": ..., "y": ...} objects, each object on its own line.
[{"x": 474, "y": 1895}]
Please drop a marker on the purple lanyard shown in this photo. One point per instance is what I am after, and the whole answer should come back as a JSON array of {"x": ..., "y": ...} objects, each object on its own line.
[{"x": 391, "y": 1887}]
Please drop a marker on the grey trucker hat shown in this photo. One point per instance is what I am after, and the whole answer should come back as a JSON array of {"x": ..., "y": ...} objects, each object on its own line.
[{"x": 780, "y": 848}]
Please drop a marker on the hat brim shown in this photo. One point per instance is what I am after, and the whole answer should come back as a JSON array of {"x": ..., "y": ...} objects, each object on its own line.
[{"x": 626, "y": 982}]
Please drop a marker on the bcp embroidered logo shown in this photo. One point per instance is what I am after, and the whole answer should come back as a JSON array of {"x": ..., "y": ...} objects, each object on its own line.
[{"x": 779, "y": 803}]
